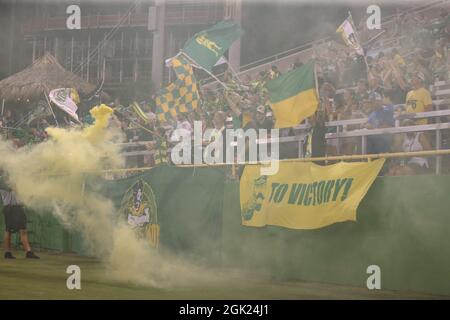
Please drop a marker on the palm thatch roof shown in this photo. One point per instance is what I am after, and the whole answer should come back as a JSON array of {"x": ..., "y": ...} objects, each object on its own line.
[{"x": 43, "y": 75}]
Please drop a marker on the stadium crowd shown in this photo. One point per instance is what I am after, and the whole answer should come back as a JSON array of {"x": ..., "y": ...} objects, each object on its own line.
[{"x": 391, "y": 82}]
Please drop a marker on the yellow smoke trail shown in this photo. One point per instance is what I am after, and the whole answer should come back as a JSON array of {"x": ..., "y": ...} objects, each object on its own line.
[{"x": 48, "y": 177}]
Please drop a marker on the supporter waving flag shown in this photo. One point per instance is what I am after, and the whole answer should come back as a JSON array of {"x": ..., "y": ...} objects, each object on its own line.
[{"x": 348, "y": 34}]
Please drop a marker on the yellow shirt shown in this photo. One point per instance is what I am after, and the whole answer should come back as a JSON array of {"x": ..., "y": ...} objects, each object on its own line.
[{"x": 416, "y": 100}]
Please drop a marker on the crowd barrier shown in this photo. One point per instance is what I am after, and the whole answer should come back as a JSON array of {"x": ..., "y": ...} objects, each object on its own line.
[{"x": 297, "y": 141}]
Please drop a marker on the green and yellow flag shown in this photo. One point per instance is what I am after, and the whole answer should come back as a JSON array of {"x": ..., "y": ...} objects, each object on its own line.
[
  {"x": 293, "y": 96},
  {"x": 139, "y": 112},
  {"x": 304, "y": 195},
  {"x": 179, "y": 96},
  {"x": 208, "y": 46}
]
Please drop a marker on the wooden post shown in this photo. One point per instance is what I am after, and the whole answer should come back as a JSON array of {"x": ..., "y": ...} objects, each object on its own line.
[
  {"x": 438, "y": 146},
  {"x": 234, "y": 52},
  {"x": 12, "y": 27},
  {"x": 71, "y": 55},
  {"x": 104, "y": 69},
  {"x": 88, "y": 57},
  {"x": 158, "y": 45},
  {"x": 135, "y": 71},
  {"x": 34, "y": 49},
  {"x": 98, "y": 59},
  {"x": 82, "y": 63},
  {"x": 121, "y": 58},
  {"x": 233, "y": 171}
]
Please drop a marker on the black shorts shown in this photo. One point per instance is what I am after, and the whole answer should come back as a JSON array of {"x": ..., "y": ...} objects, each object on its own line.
[{"x": 15, "y": 218}]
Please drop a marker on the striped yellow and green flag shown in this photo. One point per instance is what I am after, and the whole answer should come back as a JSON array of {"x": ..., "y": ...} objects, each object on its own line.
[
  {"x": 179, "y": 96},
  {"x": 293, "y": 96},
  {"x": 140, "y": 113}
]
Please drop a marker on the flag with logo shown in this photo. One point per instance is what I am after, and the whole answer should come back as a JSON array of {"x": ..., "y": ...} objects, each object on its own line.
[
  {"x": 179, "y": 96},
  {"x": 66, "y": 99},
  {"x": 304, "y": 195},
  {"x": 348, "y": 34},
  {"x": 293, "y": 96},
  {"x": 208, "y": 46}
]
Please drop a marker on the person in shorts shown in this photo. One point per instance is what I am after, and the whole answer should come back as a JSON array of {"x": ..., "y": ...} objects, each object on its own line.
[{"x": 15, "y": 221}]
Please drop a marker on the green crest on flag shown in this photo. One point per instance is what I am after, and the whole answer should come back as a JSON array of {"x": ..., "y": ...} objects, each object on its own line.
[
  {"x": 255, "y": 204},
  {"x": 139, "y": 209},
  {"x": 207, "y": 46}
]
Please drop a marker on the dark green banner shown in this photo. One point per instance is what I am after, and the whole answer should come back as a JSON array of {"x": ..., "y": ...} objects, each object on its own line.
[
  {"x": 207, "y": 46},
  {"x": 189, "y": 206}
]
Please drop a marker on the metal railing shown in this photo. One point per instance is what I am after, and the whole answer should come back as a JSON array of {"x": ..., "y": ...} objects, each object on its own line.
[
  {"x": 427, "y": 153},
  {"x": 342, "y": 133}
]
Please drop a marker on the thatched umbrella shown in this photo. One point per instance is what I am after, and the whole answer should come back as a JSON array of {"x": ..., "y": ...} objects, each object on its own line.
[{"x": 43, "y": 75}]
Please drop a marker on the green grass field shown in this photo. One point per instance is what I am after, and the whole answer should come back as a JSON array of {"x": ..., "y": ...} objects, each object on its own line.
[{"x": 46, "y": 279}]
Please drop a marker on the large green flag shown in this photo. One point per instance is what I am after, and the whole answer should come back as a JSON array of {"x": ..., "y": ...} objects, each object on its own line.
[{"x": 208, "y": 46}]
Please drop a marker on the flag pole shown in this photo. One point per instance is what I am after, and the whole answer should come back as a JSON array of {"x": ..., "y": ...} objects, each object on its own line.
[
  {"x": 316, "y": 81},
  {"x": 192, "y": 61},
  {"x": 136, "y": 123},
  {"x": 358, "y": 40},
  {"x": 170, "y": 59},
  {"x": 50, "y": 106},
  {"x": 232, "y": 70}
]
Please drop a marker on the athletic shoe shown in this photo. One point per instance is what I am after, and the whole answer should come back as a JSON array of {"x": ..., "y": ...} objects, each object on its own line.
[
  {"x": 8, "y": 255},
  {"x": 31, "y": 255}
]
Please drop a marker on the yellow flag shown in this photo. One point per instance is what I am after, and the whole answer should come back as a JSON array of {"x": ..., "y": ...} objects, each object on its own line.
[{"x": 303, "y": 195}]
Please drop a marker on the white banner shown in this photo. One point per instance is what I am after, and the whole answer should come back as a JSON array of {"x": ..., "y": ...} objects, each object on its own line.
[
  {"x": 64, "y": 99},
  {"x": 349, "y": 36}
]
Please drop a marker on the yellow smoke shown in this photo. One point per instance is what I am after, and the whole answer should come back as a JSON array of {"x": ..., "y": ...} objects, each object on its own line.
[{"x": 50, "y": 176}]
